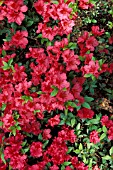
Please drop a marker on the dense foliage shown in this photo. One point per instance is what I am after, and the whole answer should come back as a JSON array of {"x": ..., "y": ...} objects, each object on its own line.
[{"x": 56, "y": 85}]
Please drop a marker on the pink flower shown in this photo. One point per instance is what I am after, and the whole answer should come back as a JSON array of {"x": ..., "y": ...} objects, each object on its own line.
[
  {"x": 8, "y": 121},
  {"x": 110, "y": 40},
  {"x": 85, "y": 113},
  {"x": 91, "y": 68},
  {"x": 63, "y": 11},
  {"x": 46, "y": 134},
  {"x": 96, "y": 167},
  {"x": 54, "y": 121},
  {"x": 19, "y": 39},
  {"x": 54, "y": 167},
  {"x": 110, "y": 133},
  {"x": 36, "y": 149},
  {"x": 39, "y": 6},
  {"x": 91, "y": 43},
  {"x": 96, "y": 32},
  {"x": 94, "y": 138}
]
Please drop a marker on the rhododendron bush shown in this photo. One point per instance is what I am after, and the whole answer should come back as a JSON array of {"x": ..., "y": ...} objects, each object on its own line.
[{"x": 56, "y": 86}]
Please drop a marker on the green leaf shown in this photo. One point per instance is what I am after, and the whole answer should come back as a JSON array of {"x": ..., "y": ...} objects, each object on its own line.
[
  {"x": 2, "y": 157},
  {"x": 3, "y": 53},
  {"x": 3, "y": 106},
  {"x": 18, "y": 127},
  {"x": 104, "y": 129},
  {"x": 66, "y": 163},
  {"x": 86, "y": 105},
  {"x": 77, "y": 151},
  {"x": 88, "y": 99},
  {"x": 6, "y": 66},
  {"x": 78, "y": 126},
  {"x": 54, "y": 92},
  {"x": 72, "y": 45},
  {"x": 14, "y": 131},
  {"x": 80, "y": 147},
  {"x": 81, "y": 58},
  {"x": 103, "y": 136},
  {"x": 111, "y": 150},
  {"x": 45, "y": 143},
  {"x": 88, "y": 75},
  {"x": 73, "y": 121},
  {"x": 10, "y": 61},
  {"x": 1, "y": 123},
  {"x": 90, "y": 163},
  {"x": 107, "y": 157},
  {"x": 39, "y": 36},
  {"x": 29, "y": 23},
  {"x": 72, "y": 104}
]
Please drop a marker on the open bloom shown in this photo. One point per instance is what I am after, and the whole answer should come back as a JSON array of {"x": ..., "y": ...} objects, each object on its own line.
[{"x": 94, "y": 138}]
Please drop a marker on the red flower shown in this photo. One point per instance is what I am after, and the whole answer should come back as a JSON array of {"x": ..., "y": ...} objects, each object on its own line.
[
  {"x": 96, "y": 167},
  {"x": 110, "y": 133},
  {"x": 19, "y": 39},
  {"x": 91, "y": 68},
  {"x": 39, "y": 6},
  {"x": 91, "y": 43},
  {"x": 94, "y": 138},
  {"x": 46, "y": 134},
  {"x": 54, "y": 167},
  {"x": 110, "y": 40},
  {"x": 36, "y": 149},
  {"x": 54, "y": 121},
  {"x": 96, "y": 32},
  {"x": 63, "y": 11},
  {"x": 85, "y": 113}
]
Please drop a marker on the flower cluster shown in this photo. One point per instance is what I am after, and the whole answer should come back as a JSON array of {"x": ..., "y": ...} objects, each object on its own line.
[{"x": 42, "y": 97}]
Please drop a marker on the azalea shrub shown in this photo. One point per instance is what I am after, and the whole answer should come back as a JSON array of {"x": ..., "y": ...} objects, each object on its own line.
[{"x": 56, "y": 85}]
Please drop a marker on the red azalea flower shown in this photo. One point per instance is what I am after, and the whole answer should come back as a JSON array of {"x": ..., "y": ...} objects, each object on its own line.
[
  {"x": 94, "y": 138},
  {"x": 91, "y": 43},
  {"x": 36, "y": 149},
  {"x": 96, "y": 32},
  {"x": 54, "y": 121},
  {"x": 96, "y": 167},
  {"x": 85, "y": 113},
  {"x": 46, "y": 134},
  {"x": 110, "y": 133},
  {"x": 19, "y": 39}
]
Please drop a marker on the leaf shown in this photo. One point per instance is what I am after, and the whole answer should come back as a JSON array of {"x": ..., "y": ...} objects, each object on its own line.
[
  {"x": 78, "y": 126},
  {"x": 3, "y": 53},
  {"x": 29, "y": 23},
  {"x": 66, "y": 163},
  {"x": 3, "y": 106},
  {"x": 72, "y": 46},
  {"x": 103, "y": 136},
  {"x": 88, "y": 99},
  {"x": 111, "y": 150},
  {"x": 72, "y": 104},
  {"x": 6, "y": 66},
  {"x": 10, "y": 61},
  {"x": 2, "y": 157},
  {"x": 80, "y": 147},
  {"x": 18, "y": 128},
  {"x": 107, "y": 157},
  {"x": 86, "y": 105},
  {"x": 88, "y": 75},
  {"x": 104, "y": 129},
  {"x": 90, "y": 163},
  {"x": 73, "y": 121},
  {"x": 54, "y": 92},
  {"x": 45, "y": 143},
  {"x": 77, "y": 151},
  {"x": 1, "y": 123}
]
